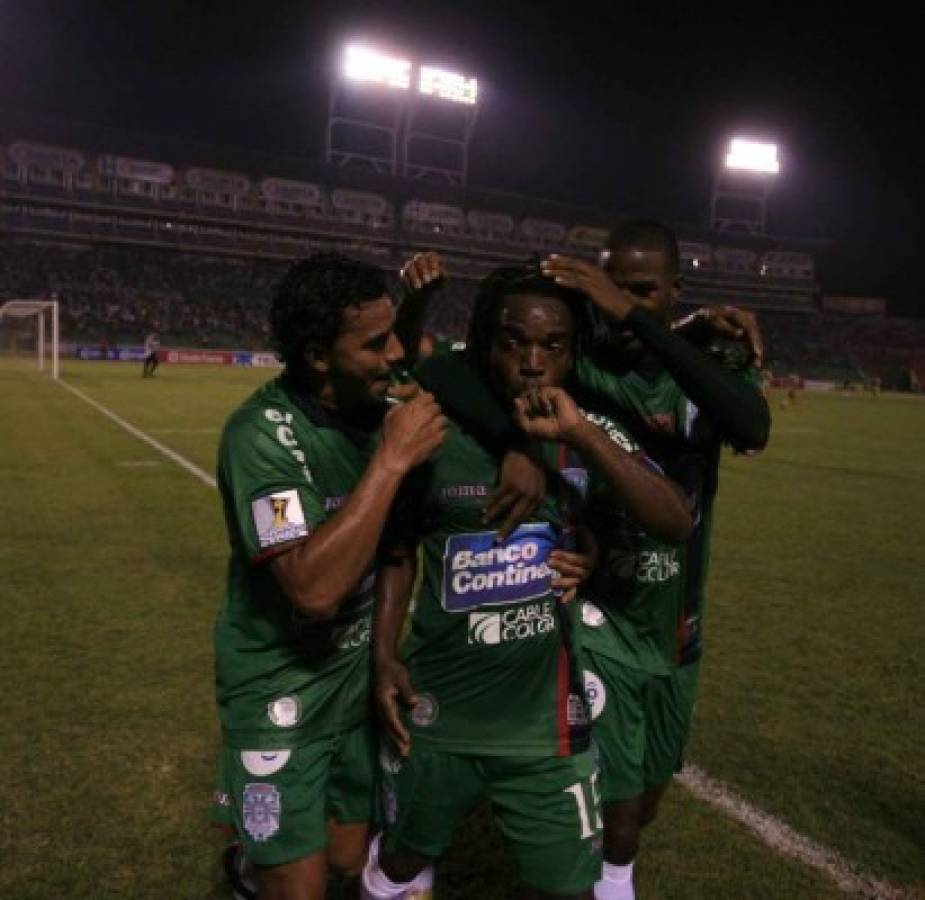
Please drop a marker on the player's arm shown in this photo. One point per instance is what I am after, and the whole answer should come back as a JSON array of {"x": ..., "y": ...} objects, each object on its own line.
[
  {"x": 421, "y": 276},
  {"x": 729, "y": 322},
  {"x": 394, "y": 586},
  {"x": 319, "y": 572},
  {"x": 653, "y": 502},
  {"x": 735, "y": 408}
]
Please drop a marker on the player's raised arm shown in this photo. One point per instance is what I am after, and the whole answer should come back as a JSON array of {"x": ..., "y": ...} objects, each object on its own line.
[
  {"x": 421, "y": 276},
  {"x": 652, "y": 501},
  {"x": 629, "y": 301}
]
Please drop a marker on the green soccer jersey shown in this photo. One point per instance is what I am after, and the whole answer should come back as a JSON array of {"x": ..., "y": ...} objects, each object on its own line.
[
  {"x": 493, "y": 654},
  {"x": 491, "y": 650},
  {"x": 687, "y": 448},
  {"x": 285, "y": 465}
]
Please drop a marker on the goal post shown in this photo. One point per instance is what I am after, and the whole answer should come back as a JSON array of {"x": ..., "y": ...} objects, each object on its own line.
[{"x": 40, "y": 309}]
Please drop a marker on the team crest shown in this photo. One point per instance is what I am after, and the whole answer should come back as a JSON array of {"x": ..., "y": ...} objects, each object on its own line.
[
  {"x": 425, "y": 710},
  {"x": 262, "y": 808}
]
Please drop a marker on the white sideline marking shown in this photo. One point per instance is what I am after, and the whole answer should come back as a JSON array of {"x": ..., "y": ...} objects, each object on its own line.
[
  {"x": 783, "y": 840},
  {"x": 776, "y": 834},
  {"x": 181, "y": 461}
]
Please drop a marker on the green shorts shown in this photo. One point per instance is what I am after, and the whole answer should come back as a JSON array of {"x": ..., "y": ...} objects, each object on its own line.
[
  {"x": 280, "y": 801},
  {"x": 640, "y": 724},
  {"x": 548, "y": 809}
]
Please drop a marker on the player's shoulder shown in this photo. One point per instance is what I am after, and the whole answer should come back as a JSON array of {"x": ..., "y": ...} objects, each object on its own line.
[{"x": 264, "y": 412}]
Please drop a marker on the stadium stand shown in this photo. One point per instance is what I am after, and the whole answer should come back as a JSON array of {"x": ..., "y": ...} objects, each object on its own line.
[{"x": 192, "y": 244}]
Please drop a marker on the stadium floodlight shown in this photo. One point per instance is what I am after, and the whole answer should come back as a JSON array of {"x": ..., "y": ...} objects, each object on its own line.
[
  {"x": 371, "y": 66},
  {"x": 447, "y": 85},
  {"x": 752, "y": 156}
]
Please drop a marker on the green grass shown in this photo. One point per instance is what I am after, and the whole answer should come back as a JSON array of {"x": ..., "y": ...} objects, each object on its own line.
[{"x": 112, "y": 573}]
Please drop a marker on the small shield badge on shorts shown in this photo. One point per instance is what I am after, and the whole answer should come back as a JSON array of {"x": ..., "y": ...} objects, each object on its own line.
[{"x": 262, "y": 807}]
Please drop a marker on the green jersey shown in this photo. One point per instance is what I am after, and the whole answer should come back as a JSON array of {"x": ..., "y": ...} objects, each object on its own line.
[
  {"x": 686, "y": 446},
  {"x": 285, "y": 465},
  {"x": 491, "y": 651},
  {"x": 633, "y": 600}
]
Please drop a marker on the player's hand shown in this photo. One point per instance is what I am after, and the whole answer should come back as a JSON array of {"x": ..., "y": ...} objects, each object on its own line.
[
  {"x": 728, "y": 322},
  {"x": 516, "y": 498},
  {"x": 404, "y": 392},
  {"x": 591, "y": 280},
  {"x": 423, "y": 270},
  {"x": 549, "y": 414},
  {"x": 393, "y": 689},
  {"x": 411, "y": 432},
  {"x": 571, "y": 569}
]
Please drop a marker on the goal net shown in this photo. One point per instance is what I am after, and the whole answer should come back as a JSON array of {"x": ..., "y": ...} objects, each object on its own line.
[{"x": 31, "y": 327}]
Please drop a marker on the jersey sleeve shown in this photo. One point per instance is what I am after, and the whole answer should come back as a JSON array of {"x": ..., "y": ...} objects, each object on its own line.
[
  {"x": 737, "y": 409},
  {"x": 265, "y": 475},
  {"x": 463, "y": 394}
]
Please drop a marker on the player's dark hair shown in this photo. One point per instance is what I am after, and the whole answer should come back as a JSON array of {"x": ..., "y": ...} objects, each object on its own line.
[
  {"x": 648, "y": 236},
  {"x": 508, "y": 281},
  {"x": 308, "y": 305}
]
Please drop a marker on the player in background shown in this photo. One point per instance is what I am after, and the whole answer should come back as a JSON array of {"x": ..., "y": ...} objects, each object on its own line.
[
  {"x": 494, "y": 677},
  {"x": 683, "y": 406},
  {"x": 308, "y": 468},
  {"x": 151, "y": 346}
]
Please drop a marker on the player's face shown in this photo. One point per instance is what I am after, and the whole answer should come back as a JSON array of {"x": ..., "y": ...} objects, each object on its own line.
[
  {"x": 361, "y": 359},
  {"x": 646, "y": 277},
  {"x": 533, "y": 345}
]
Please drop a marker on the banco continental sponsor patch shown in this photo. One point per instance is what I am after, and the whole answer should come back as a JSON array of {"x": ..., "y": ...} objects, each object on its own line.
[
  {"x": 477, "y": 571},
  {"x": 278, "y": 518},
  {"x": 517, "y": 624}
]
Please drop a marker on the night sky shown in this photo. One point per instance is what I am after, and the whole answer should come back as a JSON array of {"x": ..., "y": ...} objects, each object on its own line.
[{"x": 624, "y": 108}]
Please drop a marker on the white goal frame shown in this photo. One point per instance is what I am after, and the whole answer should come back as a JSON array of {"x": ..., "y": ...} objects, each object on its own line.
[{"x": 22, "y": 308}]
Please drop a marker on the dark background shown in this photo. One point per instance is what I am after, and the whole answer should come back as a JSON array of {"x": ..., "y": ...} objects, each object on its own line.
[{"x": 625, "y": 108}]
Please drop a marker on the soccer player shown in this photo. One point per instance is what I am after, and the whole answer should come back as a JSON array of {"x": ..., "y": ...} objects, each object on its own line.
[
  {"x": 490, "y": 668},
  {"x": 682, "y": 406},
  {"x": 152, "y": 345},
  {"x": 308, "y": 468}
]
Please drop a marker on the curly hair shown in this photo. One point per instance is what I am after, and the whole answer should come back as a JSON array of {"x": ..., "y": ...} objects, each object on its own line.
[
  {"x": 507, "y": 281},
  {"x": 308, "y": 304}
]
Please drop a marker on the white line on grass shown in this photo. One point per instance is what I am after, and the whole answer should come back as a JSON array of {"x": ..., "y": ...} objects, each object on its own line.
[
  {"x": 181, "y": 461},
  {"x": 184, "y": 431},
  {"x": 783, "y": 840},
  {"x": 776, "y": 834}
]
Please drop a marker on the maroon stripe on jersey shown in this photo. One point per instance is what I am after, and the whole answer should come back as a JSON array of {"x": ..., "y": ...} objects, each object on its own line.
[
  {"x": 270, "y": 552},
  {"x": 563, "y": 685},
  {"x": 682, "y": 637},
  {"x": 562, "y": 460}
]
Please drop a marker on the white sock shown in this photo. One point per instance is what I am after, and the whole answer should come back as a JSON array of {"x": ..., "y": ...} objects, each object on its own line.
[
  {"x": 376, "y": 885},
  {"x": 616, "y": 883}
]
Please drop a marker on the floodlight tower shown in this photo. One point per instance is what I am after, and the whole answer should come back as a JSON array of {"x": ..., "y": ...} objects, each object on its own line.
[
  {"x": 395, "y": 117},
  {"x": 366, "y": 110},
  {"x": 742, "y": 185},
  {"x": 438, "y": 126}
]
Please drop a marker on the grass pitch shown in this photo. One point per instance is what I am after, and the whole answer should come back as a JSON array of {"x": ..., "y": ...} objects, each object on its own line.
[{"x": 112, "y": 562}]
